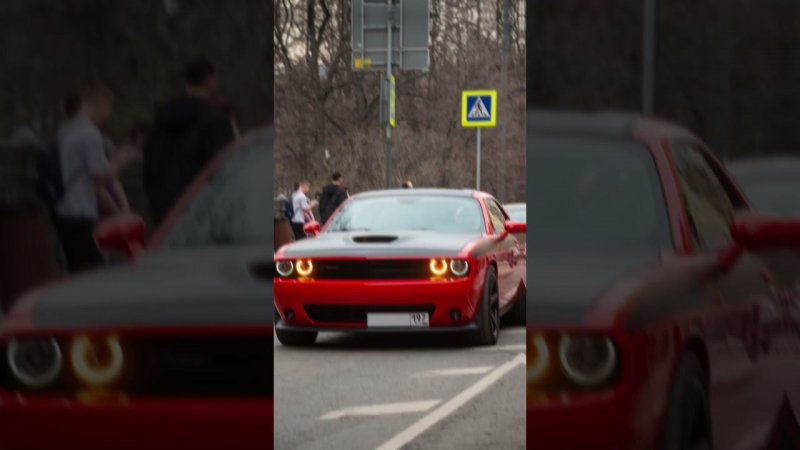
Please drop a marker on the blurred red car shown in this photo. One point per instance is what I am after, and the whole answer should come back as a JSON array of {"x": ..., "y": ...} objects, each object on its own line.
[
  {"x": 647, "y": 280},
  {"x": 173, "y": 350},
  {"x": 407, "y": 260}
]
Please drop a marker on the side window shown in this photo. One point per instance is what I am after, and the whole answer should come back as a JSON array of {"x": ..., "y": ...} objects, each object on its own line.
[
  {"x": 709, "y": 205},
  {"x": 496, "y": 216}
]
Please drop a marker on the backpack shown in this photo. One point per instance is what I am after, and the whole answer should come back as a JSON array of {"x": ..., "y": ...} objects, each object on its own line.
[
  {"x": 50, "y": 181},
  {"x": 288, "y": 209}
]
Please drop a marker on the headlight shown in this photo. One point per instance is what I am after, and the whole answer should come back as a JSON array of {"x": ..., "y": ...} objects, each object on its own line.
[
  {"x": 96, "y": 362},
  {"x": 438, "y": 267},
  {"x": 304, "y": 268},
  {"x": 538, "y": 358},
  {"x": 284, "y": 268},
  {"x": 459, "y": 267},
  {"x": 587, "y": 360},
  {"x": 35, "y": 362}
]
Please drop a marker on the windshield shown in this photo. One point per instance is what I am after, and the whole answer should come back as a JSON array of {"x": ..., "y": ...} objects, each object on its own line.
[
  {"x": 410, "y": 212},
  {"x": 517, "y": 213},
  {"x": 594, "y": 194},
  {"x": 234, "y": 206},
  {"x": 778, "y": 195}
]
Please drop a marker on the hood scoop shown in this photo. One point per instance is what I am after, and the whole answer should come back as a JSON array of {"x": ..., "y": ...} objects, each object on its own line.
[{"x": 374, "y": 239}]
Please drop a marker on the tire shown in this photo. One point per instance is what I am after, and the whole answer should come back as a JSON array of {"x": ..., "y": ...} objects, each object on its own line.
[
  {"x": 516, "y": 316},
  {"x": 294, "y": 338},
  {"x": 489, "y": 314},
  {"x": 687, "y": 423}
]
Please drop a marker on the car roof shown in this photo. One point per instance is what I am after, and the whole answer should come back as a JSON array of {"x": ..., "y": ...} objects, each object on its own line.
[
  {"x": 438, "y": 192},
  {"x": 601, "y": 124}
]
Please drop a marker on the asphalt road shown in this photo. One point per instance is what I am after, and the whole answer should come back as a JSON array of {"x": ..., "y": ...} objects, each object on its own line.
[{"x": 358, "y": 391}]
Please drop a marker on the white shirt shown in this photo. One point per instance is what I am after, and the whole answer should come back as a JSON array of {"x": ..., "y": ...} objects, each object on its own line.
[
  {"x": 299, "y": 203},
  {"x": 82, "y": 153}
]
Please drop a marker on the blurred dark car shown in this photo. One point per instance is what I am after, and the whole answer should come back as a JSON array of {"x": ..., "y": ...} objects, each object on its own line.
[
  {"x": 772, "y": 184},
  {"x": 173, "y": 350},
  {"x": 647, "y": 281}
]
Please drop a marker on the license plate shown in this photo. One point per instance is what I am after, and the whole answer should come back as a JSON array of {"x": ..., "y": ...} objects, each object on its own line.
[{"x": 410, "y": 320}]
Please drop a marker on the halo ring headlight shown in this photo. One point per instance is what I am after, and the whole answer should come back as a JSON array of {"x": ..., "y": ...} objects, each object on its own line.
[
  {"x": 459, "y": 267},
  {"x": 84, "y": 360},
  {"x": 284, "y": 268},
  {"x": 304, "y": 267},
  {"x": 537, "y": 368},
  {"x": 596, "y": 354},
  {"x": 438, "y": 267},
  {"x": 22, "y": 354}
]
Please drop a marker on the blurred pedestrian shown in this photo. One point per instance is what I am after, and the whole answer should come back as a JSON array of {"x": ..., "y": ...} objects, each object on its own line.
[
  {"x": 187, "y": 133},
  {"x": 407, "y": 184},
  {"x": 85, "y": 170},
  {"x": 333, "y": 195},
  {"x": 303, "y": 209}
]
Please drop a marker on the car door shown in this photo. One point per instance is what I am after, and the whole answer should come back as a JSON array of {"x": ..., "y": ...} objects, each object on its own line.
[
  {"x": 740, "y": 401},
  {"x": 505, "y": 256}
]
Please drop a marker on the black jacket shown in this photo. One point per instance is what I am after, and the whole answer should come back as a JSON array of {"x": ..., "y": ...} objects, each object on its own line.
[
  {"x": 332, "y": 196},
  {"x": 187, "y": 133}
]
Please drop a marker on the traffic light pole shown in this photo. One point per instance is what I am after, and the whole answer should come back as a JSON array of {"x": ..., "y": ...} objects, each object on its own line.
[{"x": 388, "y": 87}]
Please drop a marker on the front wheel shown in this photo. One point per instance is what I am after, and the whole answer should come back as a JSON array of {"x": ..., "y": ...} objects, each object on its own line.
[
  {"x": 489, "y": 314},
  {"x": 294, "y": 338},
  {"x": 687, "y": 423}
]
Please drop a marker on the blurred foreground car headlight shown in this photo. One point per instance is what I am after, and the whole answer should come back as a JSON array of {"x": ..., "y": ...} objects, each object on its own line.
[
  {"x": 284, "y": 268},
  {"x": 96, "y": 362},
  {"x": 304, "y": 267},
  {"x": 587, "y": 360},
  {"x": 459, "y": 267},
  {"x": 35, "y": 362}
]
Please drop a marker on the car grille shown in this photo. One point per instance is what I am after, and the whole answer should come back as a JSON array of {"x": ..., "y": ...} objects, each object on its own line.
[
  {"x": 358, "y": 313},
  {"x": 371, "y": 269}
]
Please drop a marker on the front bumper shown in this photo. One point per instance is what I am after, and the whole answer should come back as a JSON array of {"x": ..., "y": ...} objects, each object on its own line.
[
  {"x": 61, "y": 423},
  {"x": 438, "y": 297},
  {"x": 601, "y": 421}
]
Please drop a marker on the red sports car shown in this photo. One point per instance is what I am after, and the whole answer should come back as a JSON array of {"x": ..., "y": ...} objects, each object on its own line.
[
  {"x": 173, "y": 350},
  {"x": 403, "y": 260},
  {"x": 648, "y": 281}
]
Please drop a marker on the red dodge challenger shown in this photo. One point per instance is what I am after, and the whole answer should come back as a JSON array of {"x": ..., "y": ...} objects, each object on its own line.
[
  {"x": 404, "y": 260},
  {"x": 648, "y": 285},
  {"x": 173, "y": 350}
]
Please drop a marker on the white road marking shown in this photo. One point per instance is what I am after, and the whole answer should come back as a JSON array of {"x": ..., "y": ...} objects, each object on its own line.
[
  {"x": 479, "y": 370},
  {"x": 382, "y": 409},
  {"x": 515, "y": 331},
  {"x": 448, "y": 407},
  {"x": 503, "y": 348}
]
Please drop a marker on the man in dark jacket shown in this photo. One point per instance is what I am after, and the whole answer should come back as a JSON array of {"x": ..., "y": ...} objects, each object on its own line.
[
  {"x": 332, "y": 196},
  {"x": 187, "y": 133}
]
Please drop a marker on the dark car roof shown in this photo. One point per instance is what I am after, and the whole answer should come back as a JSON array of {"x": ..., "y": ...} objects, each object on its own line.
[
  {"x": 465, "y": 193},
  {"x": 600, "y": 124}
]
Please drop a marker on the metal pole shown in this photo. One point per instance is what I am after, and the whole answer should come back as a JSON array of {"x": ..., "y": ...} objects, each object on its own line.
[
  {"x": 648, "y": 54},
  {"x": 388, "y": 80},
  {"x": 501, "y": 181},
  {"x": 478, "y": 162}
]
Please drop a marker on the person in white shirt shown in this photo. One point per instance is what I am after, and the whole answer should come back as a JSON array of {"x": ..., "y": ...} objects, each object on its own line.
[{"x": 303, "y": 209}]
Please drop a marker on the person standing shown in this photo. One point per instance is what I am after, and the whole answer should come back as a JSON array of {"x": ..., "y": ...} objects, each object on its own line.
[
  {"x": 187, "y": 133},
  {"x": 302, "y": 208},
  {"x": 85, "y": 170},
  {"x": 332, "y": 196}
]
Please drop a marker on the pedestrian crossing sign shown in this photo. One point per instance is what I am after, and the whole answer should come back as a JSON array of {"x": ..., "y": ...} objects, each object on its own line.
[{"x": 478, "y": 108}]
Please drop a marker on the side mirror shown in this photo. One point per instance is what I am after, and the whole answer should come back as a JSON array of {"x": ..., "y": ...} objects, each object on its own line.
[
  {"x": 312, "y": 228},
  {"x": 512, "y": 227},
  {"x": 122, "y": 233},
  {"x": 758, "y": 232}
]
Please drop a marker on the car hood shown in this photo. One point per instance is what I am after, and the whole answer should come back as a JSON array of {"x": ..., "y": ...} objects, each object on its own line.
[
  {"x": 422, "y": 243},
  {"x": 203, "y": 286},
  {"x": 564, "y": 286}
]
